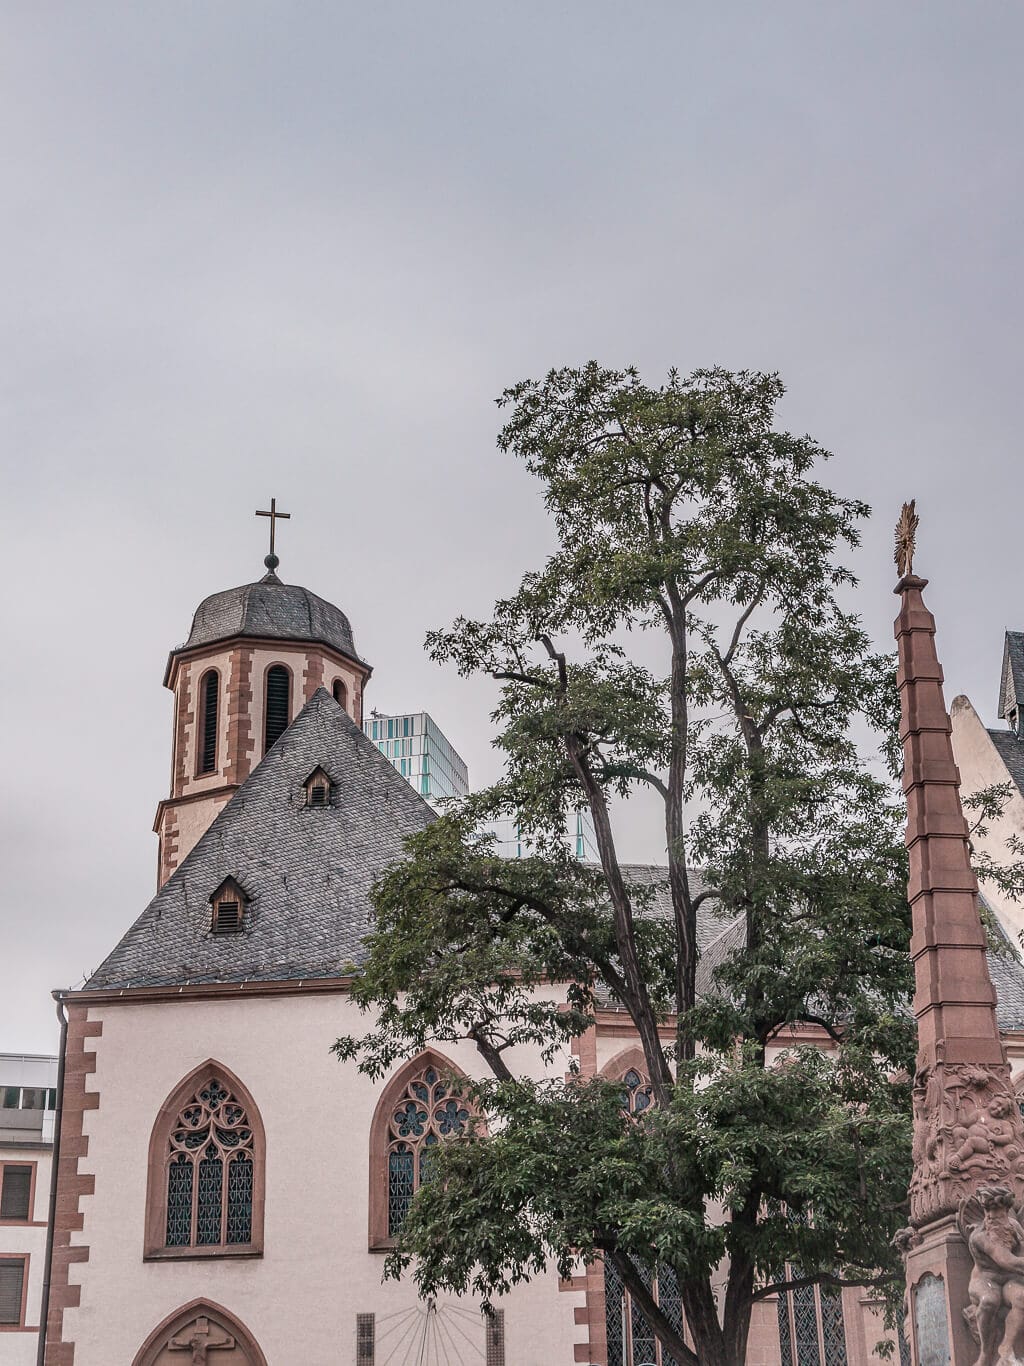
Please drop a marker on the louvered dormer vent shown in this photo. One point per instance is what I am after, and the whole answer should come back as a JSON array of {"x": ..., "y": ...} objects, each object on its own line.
[
  {"x": 227, "y": 908},
  {"x": 318, "y": 788}
]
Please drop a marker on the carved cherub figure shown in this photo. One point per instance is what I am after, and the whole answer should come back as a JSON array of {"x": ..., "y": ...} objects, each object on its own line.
[
  {"x": 989, "y": 1130},
  {"x": 995, "y": 1236}
]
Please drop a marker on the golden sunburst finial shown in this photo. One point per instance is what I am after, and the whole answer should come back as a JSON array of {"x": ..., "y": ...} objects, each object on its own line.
[{"x": 906, "y": 538}]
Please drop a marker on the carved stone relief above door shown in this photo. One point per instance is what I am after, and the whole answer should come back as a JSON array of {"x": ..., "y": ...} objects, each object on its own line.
[{"x": 200, "y": 1334}]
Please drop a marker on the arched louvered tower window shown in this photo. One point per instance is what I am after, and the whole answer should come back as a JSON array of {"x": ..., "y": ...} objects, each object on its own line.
[
  {"x": 277, "y": 704},
  {"x": 206, "y": 1169},
  {"x": 340, "y": 693},
  {"x": 209, "y": 688}
]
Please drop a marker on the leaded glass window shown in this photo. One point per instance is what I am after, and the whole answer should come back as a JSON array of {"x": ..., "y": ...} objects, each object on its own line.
[
  {"x": 636, "y": 1092},
  {"x": 427, "y": 1111},
  {"x": 811, "y": 1328},
  {"x": 631, "y": 1340},
  {"x": 210, "y": 1171}
]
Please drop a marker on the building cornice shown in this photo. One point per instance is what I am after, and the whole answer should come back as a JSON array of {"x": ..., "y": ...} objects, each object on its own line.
[
  {"x": 180, "y": 655},
  {"x": 200, "y": 991}
]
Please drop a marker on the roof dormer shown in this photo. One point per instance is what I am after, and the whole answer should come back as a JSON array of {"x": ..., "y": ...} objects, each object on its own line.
[
  {"x": 227, "y": 908},
  {"x": 318, "y": 788}
]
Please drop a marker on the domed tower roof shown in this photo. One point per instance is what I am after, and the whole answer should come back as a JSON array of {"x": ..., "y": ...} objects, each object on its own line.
[{"x": 271, "y": 610}]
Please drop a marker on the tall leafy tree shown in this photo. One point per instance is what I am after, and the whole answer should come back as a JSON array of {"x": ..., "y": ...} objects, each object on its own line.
[{"x": 683, "y": 512}]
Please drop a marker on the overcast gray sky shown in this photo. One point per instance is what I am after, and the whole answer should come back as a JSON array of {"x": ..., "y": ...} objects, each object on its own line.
[{"x": 298, "y": 249}]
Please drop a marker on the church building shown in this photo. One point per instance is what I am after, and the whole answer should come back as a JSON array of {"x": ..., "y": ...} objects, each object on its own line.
[{"x": 226, "y": 1188}]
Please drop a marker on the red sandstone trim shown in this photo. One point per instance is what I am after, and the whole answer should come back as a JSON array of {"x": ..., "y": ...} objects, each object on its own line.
[
  {"x": 72, "y": 1183},
  {"x": 312, "y": 675},
  {"x": 240, "y": 741}
]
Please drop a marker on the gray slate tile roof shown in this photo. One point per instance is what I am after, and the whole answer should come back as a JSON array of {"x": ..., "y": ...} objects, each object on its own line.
[
  {"x": 1010, "y": 748},
  {"x": 270, "y": 608},
  {"x": 718, "y": 938},
  {"x": 1011, "y": 682},
  {"x": 307, "y": 871}
]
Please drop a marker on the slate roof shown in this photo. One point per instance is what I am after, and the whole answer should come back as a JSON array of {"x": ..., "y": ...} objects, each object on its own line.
[
  {"x": 718, "y": 938},
  {"x": 307, "y": 871},
  {"x": 1010, "y": 748},
  {"x": 270, "y": 608},
  {"x": 1011, "y": 682}
]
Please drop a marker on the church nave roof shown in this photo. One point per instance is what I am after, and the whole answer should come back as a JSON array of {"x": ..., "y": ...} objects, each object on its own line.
[{"x": 306, "y": 870}]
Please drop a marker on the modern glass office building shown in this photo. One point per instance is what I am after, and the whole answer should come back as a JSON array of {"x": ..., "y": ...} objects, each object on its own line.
[
  {"x": 421, "y": 752},
  {"x": 424, "y": 755},
  {"x": 579, "y": 837}
]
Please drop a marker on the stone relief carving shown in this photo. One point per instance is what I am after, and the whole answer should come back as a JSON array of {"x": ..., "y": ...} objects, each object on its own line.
[
  {"x": 994, "y": 1233},
  {"x": 199, "y": 1338},
  {"x": 967, "y": 1126}
]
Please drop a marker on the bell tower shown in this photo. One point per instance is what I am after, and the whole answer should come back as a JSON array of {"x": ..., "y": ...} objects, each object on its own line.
[{"x": 255, "y": 655}]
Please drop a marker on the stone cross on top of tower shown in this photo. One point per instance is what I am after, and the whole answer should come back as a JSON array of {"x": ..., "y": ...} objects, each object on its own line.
[{"x": 271, "y": 560}]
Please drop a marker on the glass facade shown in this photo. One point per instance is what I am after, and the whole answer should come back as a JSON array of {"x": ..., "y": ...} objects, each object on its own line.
[
  {"x": 421, "y": 752},
  {"x": 579, "y": 837}
]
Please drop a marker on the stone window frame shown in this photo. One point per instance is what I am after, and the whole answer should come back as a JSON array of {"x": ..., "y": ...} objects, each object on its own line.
[
  {"x": 28, "y": 1221},
  {"x": 342, "y": 701},
  {"x": 155, "y": 1243},
  {"x": 25, "y": 1258},
  {"x": 153, "y": 1347},
  {"x": 379, "y": 1238}
]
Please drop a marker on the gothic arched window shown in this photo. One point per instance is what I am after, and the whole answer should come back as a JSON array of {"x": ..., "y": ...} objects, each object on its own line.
[
  {"x": 206, "y": 747},
  {"x": 276, "y": 704},
  {"x": 206, "y": 1170},
  {"x": 421, "y": 1107},
  {"x": 636, "y": 1092}
]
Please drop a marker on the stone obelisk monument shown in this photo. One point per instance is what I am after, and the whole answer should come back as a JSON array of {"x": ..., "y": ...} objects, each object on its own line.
[{"x": 965, "y": 1247}]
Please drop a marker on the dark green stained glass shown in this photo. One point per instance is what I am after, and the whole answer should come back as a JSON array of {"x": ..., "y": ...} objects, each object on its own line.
[
  {"x": 785, "y": 1336},
  {"x": 615, "y": 1322},
  {"x": 179, "y": 1202},
  {"x": 211, "y": 1129},
  {"x": 401, "y": 1185},
  {"x": 832, "y": 1328},
  {"x": 451, "y": 1117},
  {"x": 208, "y": 1201},
  {"x": 240, "y": 1189},
  {"x": 426, "y": 1114},
  {"x": 631, "y": 1340}
]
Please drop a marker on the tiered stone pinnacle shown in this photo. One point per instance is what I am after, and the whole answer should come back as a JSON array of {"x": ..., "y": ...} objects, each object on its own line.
[{"x": 967, "y": 1127}]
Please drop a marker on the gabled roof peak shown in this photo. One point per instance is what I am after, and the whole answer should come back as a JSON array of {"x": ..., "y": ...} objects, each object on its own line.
[
  {"x": 307, "y": 882},
  {"x": 1011, "y": 683}
]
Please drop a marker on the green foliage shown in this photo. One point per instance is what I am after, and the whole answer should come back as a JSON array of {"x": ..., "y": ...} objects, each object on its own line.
[{"x": 680, "y": 511}]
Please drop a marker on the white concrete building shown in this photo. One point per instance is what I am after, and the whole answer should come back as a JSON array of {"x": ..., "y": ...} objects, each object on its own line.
[{"x": 28, "y": 1099}]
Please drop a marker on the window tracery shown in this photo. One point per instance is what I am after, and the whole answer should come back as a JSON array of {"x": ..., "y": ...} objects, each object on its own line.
[
  {"x": 209, "y": 1171},
  {"x": 206, "y": 1170},
  {"x": 636, "y": 1092},
  {"x": 421, "y": 1107},
  {"x": 426, "y": 1113}
]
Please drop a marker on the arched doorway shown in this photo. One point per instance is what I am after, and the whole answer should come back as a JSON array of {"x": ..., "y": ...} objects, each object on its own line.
[{"x": 200, "y": 1334}]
